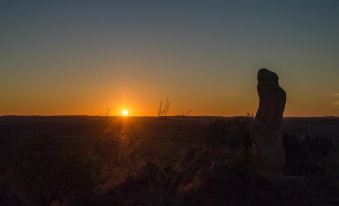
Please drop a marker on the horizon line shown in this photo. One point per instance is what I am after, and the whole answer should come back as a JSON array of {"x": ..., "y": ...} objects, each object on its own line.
[{"x": 152, "y": 116}]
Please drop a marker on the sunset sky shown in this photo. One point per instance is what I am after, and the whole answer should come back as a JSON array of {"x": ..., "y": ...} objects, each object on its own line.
[{"x": 82, "y": 57}]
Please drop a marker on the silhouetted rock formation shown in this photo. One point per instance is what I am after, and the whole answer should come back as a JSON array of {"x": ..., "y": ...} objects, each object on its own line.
[{"x": 267, "y": 150}]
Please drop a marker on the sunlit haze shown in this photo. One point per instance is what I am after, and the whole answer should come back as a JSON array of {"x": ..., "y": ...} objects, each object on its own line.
[
  {"x": 98, "y": 57},
  {"x": 124, "y": 112}
]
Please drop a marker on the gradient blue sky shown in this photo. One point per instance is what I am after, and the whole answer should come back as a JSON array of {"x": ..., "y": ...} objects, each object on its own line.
[{"x": 81, "y": 57}]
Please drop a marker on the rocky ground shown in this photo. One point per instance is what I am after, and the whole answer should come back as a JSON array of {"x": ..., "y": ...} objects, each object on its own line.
[{"x": 148, "y": 161}]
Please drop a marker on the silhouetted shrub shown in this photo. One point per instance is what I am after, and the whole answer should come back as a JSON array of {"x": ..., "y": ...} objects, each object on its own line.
[
  {"x": 306, "y": 156},
  {"x": 228, "y": 133},
  {"x": 49, "y": 169}
]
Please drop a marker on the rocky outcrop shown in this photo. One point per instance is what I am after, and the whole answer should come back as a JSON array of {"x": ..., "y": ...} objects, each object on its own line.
[{"x": 267, "y": 150}]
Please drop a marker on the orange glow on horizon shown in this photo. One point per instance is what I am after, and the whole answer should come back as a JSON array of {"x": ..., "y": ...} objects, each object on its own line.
[{"x": 124, "y": 113}]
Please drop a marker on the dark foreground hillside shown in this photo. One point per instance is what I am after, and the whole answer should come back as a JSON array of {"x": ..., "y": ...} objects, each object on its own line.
[{"x": 149, "y": 161}]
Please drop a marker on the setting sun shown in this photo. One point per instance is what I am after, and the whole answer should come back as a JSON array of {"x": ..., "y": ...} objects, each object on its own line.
[{"x": 124, "y": 112}]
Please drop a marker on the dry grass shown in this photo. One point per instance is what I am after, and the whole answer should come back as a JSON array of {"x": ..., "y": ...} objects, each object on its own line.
[{"x": 154, "y": 163}]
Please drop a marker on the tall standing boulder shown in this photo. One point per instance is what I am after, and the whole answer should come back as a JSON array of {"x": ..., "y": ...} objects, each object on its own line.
[{"x": 268, "y": 154}]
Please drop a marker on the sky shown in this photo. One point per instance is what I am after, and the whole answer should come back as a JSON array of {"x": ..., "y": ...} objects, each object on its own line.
[{"x": 87, "y": 57}]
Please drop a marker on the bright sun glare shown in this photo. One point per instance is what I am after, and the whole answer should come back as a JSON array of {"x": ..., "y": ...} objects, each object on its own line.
[{"x": 124, "y": 112}]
